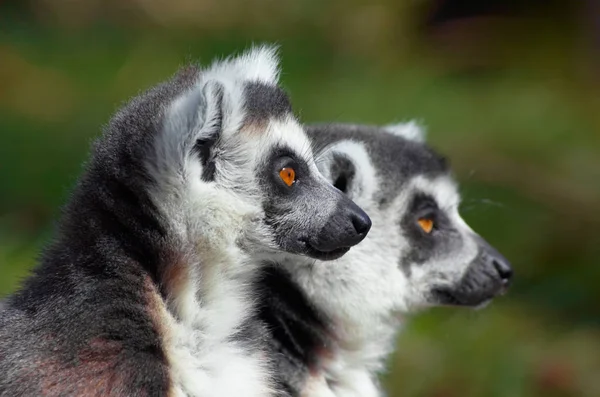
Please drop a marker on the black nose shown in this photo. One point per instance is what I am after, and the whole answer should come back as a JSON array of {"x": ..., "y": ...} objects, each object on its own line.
[
  {"x": 361, "y": 223},
  {"x": 348, "y": 226},
  {"x": 357, "y": 225},
  {"x": 495, "y": 260},
  {"x": 504, "y": 270}
]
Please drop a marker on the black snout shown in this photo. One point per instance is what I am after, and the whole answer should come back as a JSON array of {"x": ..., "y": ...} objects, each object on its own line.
[
  {"x": 348, "y": 226},
  {"x": 504, "y": 270},
  {"x": 488, "y": 275},
  {"x": 498, "y": 262}
]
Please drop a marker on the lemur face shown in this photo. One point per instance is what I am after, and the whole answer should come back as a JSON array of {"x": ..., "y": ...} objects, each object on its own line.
[
  {"x": 445, "y": 261},
  {"x": 305, "y": 214},
  {"x": 233, "y": 134},
  {"x": 420, "y": 252}
]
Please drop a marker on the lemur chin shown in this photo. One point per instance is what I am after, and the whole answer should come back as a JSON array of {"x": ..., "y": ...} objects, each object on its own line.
[
  {"x": 146, "y": 288},
  {"x": 333, "y": 325}
]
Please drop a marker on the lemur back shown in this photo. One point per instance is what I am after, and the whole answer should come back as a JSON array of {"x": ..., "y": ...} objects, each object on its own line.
[
  {"x": 333, "y": 325},
  {"x": 146, "y": 287}
]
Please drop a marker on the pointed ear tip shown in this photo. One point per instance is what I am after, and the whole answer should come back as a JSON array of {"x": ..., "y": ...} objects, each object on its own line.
[
  {"x": 257, "y": 63},
  {"x": 269, "y": 50},
  {"x": 411, "y": 130},
  {"x": 265, "y": 57}
]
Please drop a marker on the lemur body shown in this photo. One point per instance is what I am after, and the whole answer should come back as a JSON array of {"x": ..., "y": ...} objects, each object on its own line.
[
  {"x": 146, "y": 289},
  {"x": 334, "y": 324}
]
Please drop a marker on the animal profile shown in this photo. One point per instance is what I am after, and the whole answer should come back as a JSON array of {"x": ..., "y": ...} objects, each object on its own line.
[
  {"x": 332, "y": 325},
  {"x": 145, "y": 289}
]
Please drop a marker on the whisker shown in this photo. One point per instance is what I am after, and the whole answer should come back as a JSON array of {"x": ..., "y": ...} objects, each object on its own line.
[{"x": 471, "y": 204}]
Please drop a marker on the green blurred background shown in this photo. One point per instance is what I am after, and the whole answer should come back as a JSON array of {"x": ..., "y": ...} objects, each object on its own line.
[{"x": 509, "y": 91}]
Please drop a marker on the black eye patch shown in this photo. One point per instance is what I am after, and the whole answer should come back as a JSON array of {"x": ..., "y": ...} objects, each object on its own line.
[
  {"x": 280, "y": 157},
  {"x": 423, "y": 246}
]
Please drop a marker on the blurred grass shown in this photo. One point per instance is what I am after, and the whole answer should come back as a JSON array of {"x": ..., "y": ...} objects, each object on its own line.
[{"x": 523, "y": 139}]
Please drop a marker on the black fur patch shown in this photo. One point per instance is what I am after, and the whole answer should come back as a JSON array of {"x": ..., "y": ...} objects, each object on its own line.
[
  {"x": 298, "y": 331},
  {"x": 342, "y": 173},
  {"x": 442, "y": 241},
  {"x": 204, "y": 149},
  {"x": 265, "y": 101},
  {"x": 396, "y": 159}
]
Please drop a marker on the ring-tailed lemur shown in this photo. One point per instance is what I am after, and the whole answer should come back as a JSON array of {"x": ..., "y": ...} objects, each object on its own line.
[
  {"x": 333, "y": 324},
  {"x": 146, "y": 287}
]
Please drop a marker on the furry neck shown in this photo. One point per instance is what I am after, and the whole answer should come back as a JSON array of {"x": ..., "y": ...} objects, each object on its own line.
[
  {"x": 362, "y": 325},
  {"x": 313, "y": 336},
  {"x": 210, "y": 300}
]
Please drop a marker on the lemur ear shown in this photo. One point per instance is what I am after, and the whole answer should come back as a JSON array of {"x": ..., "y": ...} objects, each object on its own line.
[
  {"x": 258, "y": 64},
  {"x": 342, "y": 173},
  {"x": 211, "y": 128},
  {"x": 411, "y": 130},
  {"x": 211, "y": 107},
  {"x": 193, "y": 125},
  {"x": 347, "y": 166}
]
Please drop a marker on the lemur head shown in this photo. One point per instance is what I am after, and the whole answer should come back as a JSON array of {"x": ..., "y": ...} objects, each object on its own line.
[
  {"x": 229, "y": 149},
  {"x": 420, "y": 252}
]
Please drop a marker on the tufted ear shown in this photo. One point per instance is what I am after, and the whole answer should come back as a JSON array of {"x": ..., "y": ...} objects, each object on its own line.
[
  {"x": 259, "y": 64},
  {"x": 213, "y": 106},
  {"x": 410, "y": 130},
  {"x": 216, "y": 101},
  {"x": 210, "y": 129},
  {"x": 347, "y": 166}
]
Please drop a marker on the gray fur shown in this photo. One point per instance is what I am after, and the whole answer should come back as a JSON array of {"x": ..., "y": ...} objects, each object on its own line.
[
  {"x": 396, "y": 159},
  {"x": 145, "y": 289},
  {"x": 334, "y": 324}
]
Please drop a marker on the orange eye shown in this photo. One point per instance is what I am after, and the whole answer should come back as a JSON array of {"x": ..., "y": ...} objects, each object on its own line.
[
  {"x": 426, "y": 224},
  {"x": 288, "y": 175}
]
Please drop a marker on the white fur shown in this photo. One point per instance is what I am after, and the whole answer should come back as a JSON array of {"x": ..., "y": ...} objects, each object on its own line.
[
  {"x": 360, "y": 293},
  {"x": 411, "y": 130},
  {"x": 365, "y": 293},
  {"x": 365, "y": 180},
  {"x": 289, "y": 132},
  {"x": 260, "y": 63},
  {"x": 213, "y": 227}
]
